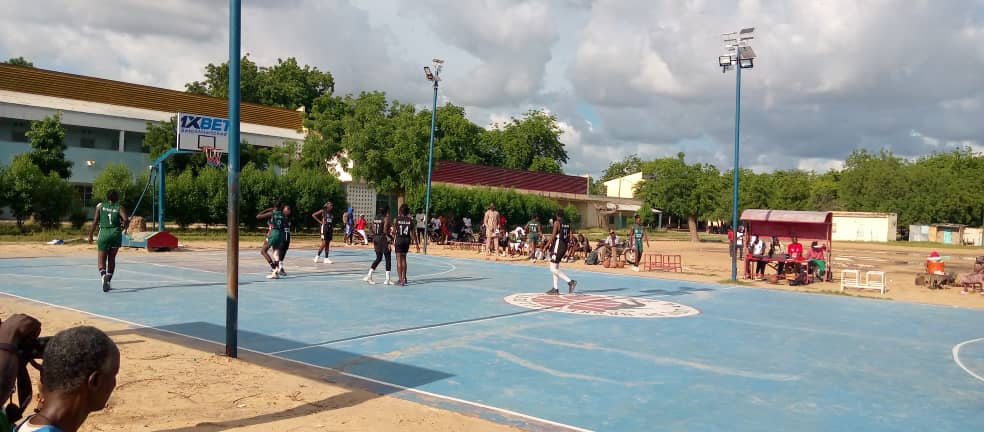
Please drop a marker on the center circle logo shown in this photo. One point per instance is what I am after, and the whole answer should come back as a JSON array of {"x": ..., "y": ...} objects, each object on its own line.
[{"x": 604, "y": 305}]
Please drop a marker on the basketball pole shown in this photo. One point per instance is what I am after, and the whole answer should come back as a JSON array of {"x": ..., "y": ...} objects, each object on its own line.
[{"x": 232, "y": 212}]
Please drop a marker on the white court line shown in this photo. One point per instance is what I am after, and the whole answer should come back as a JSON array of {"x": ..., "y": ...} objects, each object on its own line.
[
  {"x": 350, "y": 375},
  {"x": 956, "y": 357}
]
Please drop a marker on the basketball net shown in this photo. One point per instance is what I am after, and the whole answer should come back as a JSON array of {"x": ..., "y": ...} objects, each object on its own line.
[{"x": 212, "y": 156}]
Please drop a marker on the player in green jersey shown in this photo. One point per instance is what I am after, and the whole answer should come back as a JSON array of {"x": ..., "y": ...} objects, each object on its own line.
[{"x": 111, "y": 218}]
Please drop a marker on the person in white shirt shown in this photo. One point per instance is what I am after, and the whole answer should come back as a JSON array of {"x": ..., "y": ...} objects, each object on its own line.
[{"x": 516, "y": 240}]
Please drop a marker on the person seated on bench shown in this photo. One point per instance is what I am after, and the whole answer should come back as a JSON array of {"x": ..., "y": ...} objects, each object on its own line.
[
  {"x": 815, "y": 255},
  {"x": 794, "y": 251}
]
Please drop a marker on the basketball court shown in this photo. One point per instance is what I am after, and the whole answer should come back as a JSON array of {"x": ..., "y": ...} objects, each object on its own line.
[{"x": 626, "y": 354}]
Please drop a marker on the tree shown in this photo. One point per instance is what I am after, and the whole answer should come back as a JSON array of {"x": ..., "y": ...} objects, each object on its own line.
[
  {"x": 690, "y": 191},
  {"x": 326, "y": 126},
  {"x": 48, "y": 146},
  {"x": 19, "y": 61},
  {"x": 367, "y": 141},
  {"x": 629, "y": 165},
  {"x": 522, "y": 140},
  {"x": 545, "y": 164},
  {"x": 51, "y": 200},
  {"x": 216, "y": 202},
  {"x": 186, "y": 198},
  {"x": 455, "y": 137},
  {"x": 285, "y": 85},
  {"x": 309, "y": 189},
  {"x": 4, "y": 187},
  {"x": 22, "y": 179},
  {"x": 117, "y": 177}
]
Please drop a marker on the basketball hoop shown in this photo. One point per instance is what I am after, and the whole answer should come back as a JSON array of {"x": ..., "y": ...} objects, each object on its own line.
[{"x": 212, "y": 156}]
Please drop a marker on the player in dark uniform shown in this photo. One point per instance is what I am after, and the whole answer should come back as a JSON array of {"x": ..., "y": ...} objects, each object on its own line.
[
  {"x": 111, "y": 218},
  {"x": 274, "y": 237},
  {"x": 639, "y": 234},
  {"x": 285, "y": 243},
  {"x": 558, "y": 248},
  {"x": 380, "y": 241},
  {"x": 325, "y": 219},
  {"x": 401, "y": 244}
]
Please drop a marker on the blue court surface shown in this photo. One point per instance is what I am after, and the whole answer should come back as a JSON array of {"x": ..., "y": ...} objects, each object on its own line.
[{"x": 713, "y": 358}]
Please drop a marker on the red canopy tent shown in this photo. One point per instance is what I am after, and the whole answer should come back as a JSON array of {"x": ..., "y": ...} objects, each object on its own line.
[{"x": 784, "y": 224}]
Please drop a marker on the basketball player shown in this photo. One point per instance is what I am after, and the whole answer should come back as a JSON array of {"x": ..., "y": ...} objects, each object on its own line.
[
  {"x": 274, "y": 237},
  {"x": 324, "y": 218},
  {"x": 285, "y": 243},
  {"x": 380, "y": 241},
  {"x": 533, "y": 228},
  {"x": 401, "y": 244},
  {"x": 558, "y": 248},
  {"x": 112, "y": 220},
  {"x": 639, "y": 234}
]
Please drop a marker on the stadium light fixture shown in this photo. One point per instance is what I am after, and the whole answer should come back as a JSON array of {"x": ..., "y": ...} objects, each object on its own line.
[
  {"x": 433, "y": 76},
  {"x": 739, "y": 54}
]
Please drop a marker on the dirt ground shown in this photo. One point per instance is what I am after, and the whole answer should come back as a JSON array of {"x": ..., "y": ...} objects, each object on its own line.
[{"x": 172, "y": 384}]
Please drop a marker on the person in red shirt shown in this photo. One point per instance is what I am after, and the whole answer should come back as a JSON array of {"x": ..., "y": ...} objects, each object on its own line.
[
  {"x": 360, "y": 227},
  {"x": 795, "y": 250}
]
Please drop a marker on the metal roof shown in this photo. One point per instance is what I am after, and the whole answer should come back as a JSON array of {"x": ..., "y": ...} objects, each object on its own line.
[
  {"x": 788, "y": 216},
  {"x": 79, "y": 87},
  {"x": 480, "y": 175}
]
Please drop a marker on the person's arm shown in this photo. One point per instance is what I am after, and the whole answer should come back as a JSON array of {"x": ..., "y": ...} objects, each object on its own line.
[
  {"x": 316, "y": 217},
  {"x": 645, "y": 236},
  {"x": 95, "y": 221},
  {"x": 124, "y": 218},
  {"x": 266, "y": 213},
  {"x": 16, "y": 330}
]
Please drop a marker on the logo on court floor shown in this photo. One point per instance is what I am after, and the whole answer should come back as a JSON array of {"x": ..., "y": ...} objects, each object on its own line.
[{"x": 605, "y": 305}]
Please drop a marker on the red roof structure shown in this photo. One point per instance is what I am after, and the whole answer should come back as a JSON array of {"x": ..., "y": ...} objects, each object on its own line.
[{"x": 480, "y": 175}]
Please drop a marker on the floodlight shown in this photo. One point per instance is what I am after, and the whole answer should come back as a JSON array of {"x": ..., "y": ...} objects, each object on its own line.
[
  {"x": 746, "y": 52},
  {"x": 438, "y": 61},
  {"x": 747, "y": 30},
  {"x": 745, "y": 63},
  {"x": 90, "y": 162},
  {"x": 427, "y": 71},
  {"x": 724, "y": 61}
]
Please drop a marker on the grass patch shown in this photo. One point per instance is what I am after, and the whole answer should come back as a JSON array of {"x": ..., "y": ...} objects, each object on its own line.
[
  {"x": 738, "y": 282},
  {"x": 849, "y": 294}
]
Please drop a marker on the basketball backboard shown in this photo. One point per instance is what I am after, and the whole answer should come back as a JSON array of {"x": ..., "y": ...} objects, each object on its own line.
[{"x": 197, "y": 131}]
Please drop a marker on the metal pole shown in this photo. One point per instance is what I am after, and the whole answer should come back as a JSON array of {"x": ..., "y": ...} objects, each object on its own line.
[
  {"x": 160, "y": 196},
  {"x": 734, "y": 209},
  {"x": 232, "y": 211},
  {"x": 430, "y": 167}
]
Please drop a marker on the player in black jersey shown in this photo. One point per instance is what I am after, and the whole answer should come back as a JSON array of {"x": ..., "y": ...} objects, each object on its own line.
[
  {"x": 326, "y": 220},
  {"x": 380, "y": 241},
  {"x": 558, "y": 248},
  {"x": 401, "y": 243},
  {"x": 285, "y": 244}
]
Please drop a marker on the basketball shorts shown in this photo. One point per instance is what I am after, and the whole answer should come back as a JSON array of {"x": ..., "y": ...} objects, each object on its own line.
[
  {"x": 558, "y": 251},
  {"x": 402, "y": 245},
  {"x": 380, "y": 244},
  {"x": 275, "y": 238},
  {"x": 326, "y": 230},
  {"x": 109, "y": 238},
  {"x": 348, "y": 229},
  {"x": 638, "y": 246}
]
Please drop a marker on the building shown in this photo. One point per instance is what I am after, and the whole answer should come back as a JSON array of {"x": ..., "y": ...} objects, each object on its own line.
[
  {"x": 623, "y": 187},
  {"x": 105, "y": 120},
  {"x": 596, "y": 211},
  {"x": 864, "y": 226}
]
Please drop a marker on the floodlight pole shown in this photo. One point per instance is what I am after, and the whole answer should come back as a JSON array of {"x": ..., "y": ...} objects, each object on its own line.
[
  {"x": 430, "y": 161},
  {"x": 232, "y": 211},
  {"x": 734, "y": 208}
]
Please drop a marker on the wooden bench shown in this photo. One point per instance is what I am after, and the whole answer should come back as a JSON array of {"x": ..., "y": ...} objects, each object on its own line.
[{"x": 873, "y": 280}]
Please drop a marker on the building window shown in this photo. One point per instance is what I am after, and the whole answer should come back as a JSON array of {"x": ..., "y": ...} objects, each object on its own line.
[
  {"x": 133, "y": 142},
  {"x": 87, "y": 143},
  {"x": 84, "y": 194}
]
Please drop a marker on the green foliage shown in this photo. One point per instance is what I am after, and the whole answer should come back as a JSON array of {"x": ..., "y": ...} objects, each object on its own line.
[
  {"x": 285, "y": 85},
  {"x": 308, "y": 190},
  {"x": 259, "y": 189},
  {"x": 326, "y": 125},
  {"x": 691, "y": 191},
  {"x": 472, "y": 202},
  {"x": 48, "y": 146},
  {"x": 4, "y": 187},
  {"x": 545, "y": 164},
  {"x": 19, "y": 61},
  {"x": 520, "y": 141},
  {"x": 186, "y": 198},
  {"x": 214, "y": 181},
  {"x": 51, "y": 200},
  {"x": 22, "y": 178},
  {"x": 630, "y": 165},
  {"x": 117, "y": 176}
]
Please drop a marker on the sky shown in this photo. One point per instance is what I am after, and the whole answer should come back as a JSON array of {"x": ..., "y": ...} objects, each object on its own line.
[{"x": 622, "y": 76}]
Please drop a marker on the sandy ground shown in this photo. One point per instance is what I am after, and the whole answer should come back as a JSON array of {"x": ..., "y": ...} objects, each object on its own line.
[{"x": 175, "y": 384}]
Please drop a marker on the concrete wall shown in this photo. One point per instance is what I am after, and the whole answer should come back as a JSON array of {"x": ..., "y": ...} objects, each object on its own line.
[
  {"x": 865, "y": 227},
  {"x": 622, "y": 187},
  {"x": 973, "y": 236}
]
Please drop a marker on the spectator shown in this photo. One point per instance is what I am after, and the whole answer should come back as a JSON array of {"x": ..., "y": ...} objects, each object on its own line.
[
  {"x": 795, "y": 250},
  {"x": 740, "y": 242},
  {"x": 421, "y": 220},
  {"x": 442, "y": 222},
  {"x": 758, "y": 252},
  {"x": 491, "y": 223},
  {"x": 79, "y": 375},
  {"x": 16, "y": 332},
  {"x": 585, "y": 244},
  {"x": 516, "y": 240},
  {"x": 816, "y": 257},
  {"x": 731, "y": 241},
  {"x": 360, "y": 227}
]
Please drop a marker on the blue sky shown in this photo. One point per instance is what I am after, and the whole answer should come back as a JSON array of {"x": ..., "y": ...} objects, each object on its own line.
[{"x": 622, "y": 76}]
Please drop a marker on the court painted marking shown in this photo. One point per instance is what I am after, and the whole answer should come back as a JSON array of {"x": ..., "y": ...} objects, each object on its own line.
[
  {"x": 508, "y": 413},
  {"x": 956, "y": 357}
]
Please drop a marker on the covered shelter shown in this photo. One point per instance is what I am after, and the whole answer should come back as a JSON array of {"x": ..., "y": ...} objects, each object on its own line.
[{"x": 785, "y": 224}]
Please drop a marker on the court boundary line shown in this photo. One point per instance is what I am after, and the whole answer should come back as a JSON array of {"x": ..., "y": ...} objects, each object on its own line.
[
  {"x": 501, "y": 411},
  {"x": 956, "y": 357}
]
